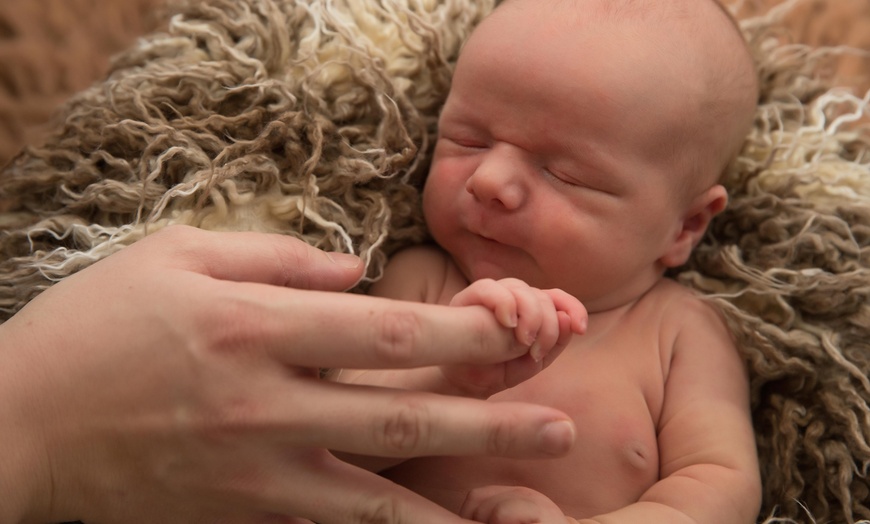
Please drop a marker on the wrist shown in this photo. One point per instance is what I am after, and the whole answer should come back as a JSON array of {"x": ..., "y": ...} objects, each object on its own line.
[{"x": 25, "y": 478}]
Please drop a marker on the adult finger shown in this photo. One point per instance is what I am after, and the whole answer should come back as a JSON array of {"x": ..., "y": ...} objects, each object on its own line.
[
  {"x": 334, "y": 492},
  {"x": 334, "y": 330},
  {"x": 395, "y": 423},
  {"x": 256, "y": 257}
]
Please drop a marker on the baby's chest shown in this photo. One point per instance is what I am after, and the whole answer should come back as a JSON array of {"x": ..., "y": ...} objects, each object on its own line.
[
  {"x": 614, "y": 398},
  {"x": 615, "y": 381}
]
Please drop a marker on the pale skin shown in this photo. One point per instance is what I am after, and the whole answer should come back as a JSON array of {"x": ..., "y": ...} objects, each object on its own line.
[
  {"x": 566, "y": 177},
  {"x": 177, "y": 382}
]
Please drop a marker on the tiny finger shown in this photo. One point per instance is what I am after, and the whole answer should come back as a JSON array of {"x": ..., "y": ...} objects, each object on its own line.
[
  {"x": 529, "y": 314},
  {"x": 492, "y": 295},
  {"x": 548, "y": 333},
  {"x": 575, "y": 309}
]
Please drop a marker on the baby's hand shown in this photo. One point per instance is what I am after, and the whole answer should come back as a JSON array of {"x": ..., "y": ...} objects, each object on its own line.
[
  {"x": 541, "y": 319},
  {"x": 511, "y": 505}
]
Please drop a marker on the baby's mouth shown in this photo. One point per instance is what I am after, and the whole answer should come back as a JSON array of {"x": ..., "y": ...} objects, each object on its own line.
[
  {"x": 491, "y": 238},
  {"x": 479, "y": 229}
]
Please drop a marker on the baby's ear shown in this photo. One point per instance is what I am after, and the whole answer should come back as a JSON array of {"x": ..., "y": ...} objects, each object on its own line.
[{"x": 694, "y": 223}]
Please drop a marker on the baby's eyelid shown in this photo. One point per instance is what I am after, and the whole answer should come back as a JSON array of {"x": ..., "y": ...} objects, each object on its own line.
[
  {"x": 467, "y": 142},
  {"x": 561, "y": 177}
]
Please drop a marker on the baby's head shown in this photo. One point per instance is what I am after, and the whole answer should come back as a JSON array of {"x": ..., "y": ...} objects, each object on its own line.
[{"x": 601, "y": 127}]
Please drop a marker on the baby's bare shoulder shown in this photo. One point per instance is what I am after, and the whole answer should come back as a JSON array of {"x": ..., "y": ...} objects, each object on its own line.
[
  {"x": 681, "y": 306},
  {"x": 687, "y": 320}
]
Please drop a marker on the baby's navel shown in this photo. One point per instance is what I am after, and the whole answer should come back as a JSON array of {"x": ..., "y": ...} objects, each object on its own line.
[{"x": 638, "y": 456}]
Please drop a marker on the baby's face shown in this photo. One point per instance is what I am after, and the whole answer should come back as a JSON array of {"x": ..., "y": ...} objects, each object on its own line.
[{"x": 559, "y": 155}]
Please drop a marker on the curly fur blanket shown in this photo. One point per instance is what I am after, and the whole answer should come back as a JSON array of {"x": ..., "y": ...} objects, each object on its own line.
[{"x": 315, "y": 119}]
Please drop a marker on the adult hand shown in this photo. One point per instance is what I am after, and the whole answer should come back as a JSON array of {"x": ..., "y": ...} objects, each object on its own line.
[{"x": 177, "y": 381}]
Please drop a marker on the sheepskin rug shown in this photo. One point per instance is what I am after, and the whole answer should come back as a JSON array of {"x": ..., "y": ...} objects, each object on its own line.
[{"x": 315, "y": 119}]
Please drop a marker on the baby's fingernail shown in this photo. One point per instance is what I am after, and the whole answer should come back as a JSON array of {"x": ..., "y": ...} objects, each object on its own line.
[
  {"x": 556, "y": 438},
  {"x": 511, "y": 321},
  {"x": 530, "y": 337},
  {"x": 583, "y": 325},
  {"x": 536, "y": 352}
]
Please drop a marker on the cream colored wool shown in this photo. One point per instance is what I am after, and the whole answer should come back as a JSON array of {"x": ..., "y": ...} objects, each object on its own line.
[
  {"x": 315, "y": 118},
  {"x": 305, "y": 118}
]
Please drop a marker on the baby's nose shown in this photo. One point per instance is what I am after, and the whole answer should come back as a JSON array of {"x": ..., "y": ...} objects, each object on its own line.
[{"x": 497, "y": 182}]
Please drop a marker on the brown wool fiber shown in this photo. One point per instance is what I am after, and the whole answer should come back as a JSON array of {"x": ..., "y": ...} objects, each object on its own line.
[{"x": 316, "y": 119}]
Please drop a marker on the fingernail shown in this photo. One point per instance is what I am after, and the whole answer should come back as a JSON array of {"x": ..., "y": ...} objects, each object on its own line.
[
  {"x": 531, "y": 336},
  {"x": 556, "y": 438},
  {"x": 536, "y": 352},
  {"x": 507, "y": 320},
  {"x": 344, "y": 259}
]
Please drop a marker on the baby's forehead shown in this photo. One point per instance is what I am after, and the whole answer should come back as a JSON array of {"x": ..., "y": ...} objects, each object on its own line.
[
  {"x": 683, "y": 63},
  {"x": 661, "y": 14}
]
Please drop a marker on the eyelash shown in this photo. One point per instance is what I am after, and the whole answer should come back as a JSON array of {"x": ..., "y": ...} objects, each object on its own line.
[
  {"x": 560, "y": 180},
  {"x": 548, "y": 173},
  {"x": 468, "y": 144}
]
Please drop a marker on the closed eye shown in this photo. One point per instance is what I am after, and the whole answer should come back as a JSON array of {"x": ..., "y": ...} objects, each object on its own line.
[
  {"x": 562, "y": 179},
  {"x": 471, "y": 144}
]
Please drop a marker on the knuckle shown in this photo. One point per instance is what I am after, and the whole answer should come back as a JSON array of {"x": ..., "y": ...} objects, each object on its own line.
[
  {"x": 396, "y": 336},
  {"x": 484, "y": 286},
  {"x": 513, "y": 283},
  {"x": 543, "y": 296},
  {"x": 230, "y": 328},
  {"x": 501, "y": 438},
  {"x": 406, "y": 429}
]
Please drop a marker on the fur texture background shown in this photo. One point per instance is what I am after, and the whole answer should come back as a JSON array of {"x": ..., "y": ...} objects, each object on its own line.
[
  {"x": 315, "y": 119},
  {"x": 50, "y": 49}
]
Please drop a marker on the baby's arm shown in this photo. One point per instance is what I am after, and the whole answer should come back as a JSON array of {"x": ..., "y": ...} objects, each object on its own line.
[{"x": 708, "y": 464}]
